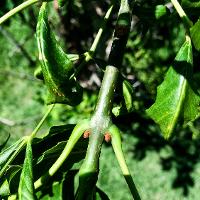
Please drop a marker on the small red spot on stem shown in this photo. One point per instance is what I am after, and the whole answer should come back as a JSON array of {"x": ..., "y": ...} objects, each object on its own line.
[
  {"x": 86, "y": 134},
  {"x": 107, "y": 136}
]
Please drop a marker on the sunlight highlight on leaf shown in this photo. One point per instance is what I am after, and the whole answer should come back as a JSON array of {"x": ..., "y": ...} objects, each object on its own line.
[{"x": 176, "y": 98}]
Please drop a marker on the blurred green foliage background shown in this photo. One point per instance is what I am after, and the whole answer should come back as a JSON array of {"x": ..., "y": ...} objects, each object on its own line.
[{"x": 162, "y": 170}]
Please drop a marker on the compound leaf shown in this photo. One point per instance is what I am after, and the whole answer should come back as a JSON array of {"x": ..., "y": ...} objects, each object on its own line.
[{"x": 176, "y": 98}]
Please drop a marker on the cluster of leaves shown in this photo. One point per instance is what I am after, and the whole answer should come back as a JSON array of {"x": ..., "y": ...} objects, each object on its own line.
[
  {"x": 177, "y": 97},
  {"x": 44, "y": 152}
]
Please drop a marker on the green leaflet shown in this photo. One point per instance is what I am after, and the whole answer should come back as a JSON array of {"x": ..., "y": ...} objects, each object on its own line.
[
  {"x": 195, "y": 36},
  {"x": 176, "y": 98},
  {"x": 56, "y": 66},
  {"x": 26, "y": 187},
  {"x": 160, "y": 11},
  {"x": 128, "y": 95}
]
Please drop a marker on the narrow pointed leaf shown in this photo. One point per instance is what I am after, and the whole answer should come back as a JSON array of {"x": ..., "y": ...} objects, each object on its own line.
[
  {"x": 26, "y": 185},
  {"x": 176, "y": 98}
]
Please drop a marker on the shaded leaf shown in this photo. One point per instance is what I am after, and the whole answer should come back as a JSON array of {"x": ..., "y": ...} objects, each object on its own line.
[
  {"x": 40, "y": 145},
  {"x": 45, "y": 161},
  {"x": 195, "y": 36},
  {"x": 5, "y": 155},
  {"x": 176, "y": 98},
  {"x": 26, "y": 184},
  {"x": 9, "y": 183},
  {"x": 68, "y": 182},
  {"x": 101, "y": 194},
  {"x": 46, "y": 150}
]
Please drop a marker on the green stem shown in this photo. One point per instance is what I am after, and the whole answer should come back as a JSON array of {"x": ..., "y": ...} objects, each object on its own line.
[
  {"x": 117, "y": 147},
  {"x": 187, "y": 22},
  {"x": 24, "y": 142},
  {"x": 42, "y": 121},
  {"x": 101, "y": 119},
  {"x": 99, "y": 124},
  {"x": 104, "y": 102},
  {"x": 17, "y": 9},
  {"x": 76, "y": 134},
  {"x": 100, "y": 32},
  {"x": 121, "y": 33},
  {"x": 89, "y": 55}
]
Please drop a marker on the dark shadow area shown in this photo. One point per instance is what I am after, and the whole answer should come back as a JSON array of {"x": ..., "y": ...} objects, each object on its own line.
[{"x": 184, "y": 150}]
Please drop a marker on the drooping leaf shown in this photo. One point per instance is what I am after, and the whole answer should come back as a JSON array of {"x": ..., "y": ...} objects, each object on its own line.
[
  {"x": 195, "y": 36},
  {"x": 26, "y": 185},
  {"x": 56, "y": 66},
  {"x": 176, "y": 98}
]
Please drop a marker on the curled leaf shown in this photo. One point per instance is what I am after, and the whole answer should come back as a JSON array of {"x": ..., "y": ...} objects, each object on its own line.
[{"x": 57, "y": 68}]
